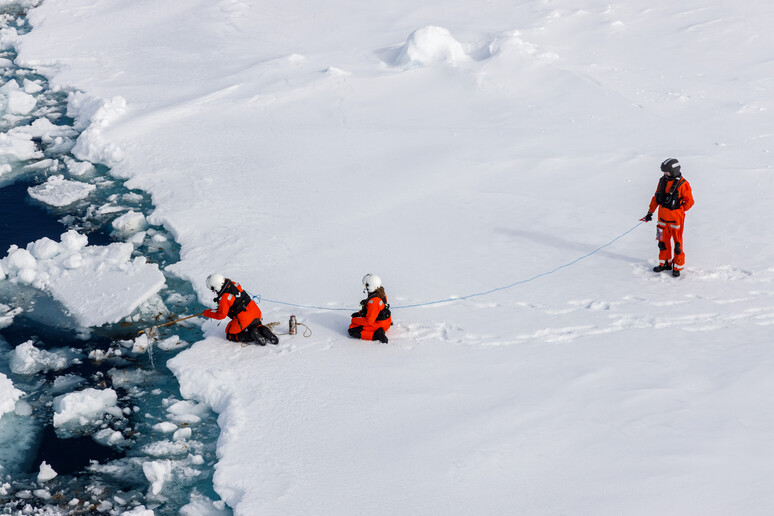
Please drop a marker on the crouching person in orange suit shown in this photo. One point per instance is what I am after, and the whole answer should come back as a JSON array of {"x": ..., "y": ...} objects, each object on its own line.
[
  {"x": 236, "y": 304},
  {"x": 374, "y": 318}
]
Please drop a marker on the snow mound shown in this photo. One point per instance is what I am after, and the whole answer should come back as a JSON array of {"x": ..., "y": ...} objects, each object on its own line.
[
  {"x": 8, "y": 395},
  {"x": 78, "y": 411},
  {"x": 430, "y": 45},
  {"x": 92, "y": 116},
  {"x": 58, "y": 191},
  {"x": 96, "y": 284}
]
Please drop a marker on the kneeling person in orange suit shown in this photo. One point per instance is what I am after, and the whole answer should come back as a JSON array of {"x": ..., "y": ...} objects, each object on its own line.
[
  {"x": 374, "y": 317},
  {"x": 236, "y": 304}
]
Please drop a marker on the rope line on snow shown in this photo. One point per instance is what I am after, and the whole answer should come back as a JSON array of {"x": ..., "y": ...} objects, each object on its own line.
[{"x": 460, "y": 298}]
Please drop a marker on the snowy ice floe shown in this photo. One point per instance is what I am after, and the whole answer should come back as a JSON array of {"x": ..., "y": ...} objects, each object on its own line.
[
  {"x": 96, "y": 284},
  {"x": 27, "y": 359},
  {"x": 429, "y": 45},
  {"x": 77, "y": 412},
  {"x": 58, "y": 191},
  {"x": 8, "y": 395},
  {"x": 14, "y": 100}
]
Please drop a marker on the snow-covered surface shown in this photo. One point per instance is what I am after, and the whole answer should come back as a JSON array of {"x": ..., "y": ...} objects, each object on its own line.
[
  {"x": 96, "y": 284},
  {"x": 452, "y": 148}
]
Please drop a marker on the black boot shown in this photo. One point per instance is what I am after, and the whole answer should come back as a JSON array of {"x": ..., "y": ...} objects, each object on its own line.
[
  {"x": 255, "y": 334},
  {"x": 663, "y": 267},
  {"x": 380, "y": 336},
  {"x": 676, "y": 273},
  {"x": 268, "y": 335}
]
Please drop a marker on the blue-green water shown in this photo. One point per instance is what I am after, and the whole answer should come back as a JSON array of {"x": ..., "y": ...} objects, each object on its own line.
[{"x": 91, "y": 477}]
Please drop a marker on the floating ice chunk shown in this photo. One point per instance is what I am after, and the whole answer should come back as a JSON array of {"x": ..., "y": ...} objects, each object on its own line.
[
  {"x": 96, "y": 284},
  {"x": 165, "y": 427},
  {"x": 46, "y": 473},
  {"x": 429, "y": 45},
  {"x": 128, "y": 224},
  {"x": 18, "y": 147},
  {"x": 5, "y": 168},
  {"x": 201, "y": 505},
  {"x": 166, "y": 449},
  {"x": 182, "y": 434},
  {"x": 32, "y": 86},
  {"x": 8, "y": 395},
  {"x": 23, "y": 408},
  {"x": 78, "y": 168},
  {"x": 18, "y": 101},
  {"x": 109, "y": 437},
  {"x": 78, "y": 410},
  {"x": 171, "y": 343},
  {"x": 58, "y": 191},
  {"x": 27, "y": 359},
  {"x": 140, "y": 510},
  {"x": 6, "y": 312},
  {"x": 187, "y": 411},
  {"x": 66, "y": 383},
  {"x": 158, "y": 473}
]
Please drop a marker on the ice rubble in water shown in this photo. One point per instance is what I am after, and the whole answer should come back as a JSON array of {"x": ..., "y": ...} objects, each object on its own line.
[
  {"x": 96, "y": 284},
  {"x": 58, "y": 191},
  {"x": 27, "y": 359}
]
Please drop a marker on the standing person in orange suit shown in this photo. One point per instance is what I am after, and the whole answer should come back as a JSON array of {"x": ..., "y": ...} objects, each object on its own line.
[
  {"x": 236, "y": 304},
  {"x": 673, "y": 198},
  {"x": 374, "y": 317}
]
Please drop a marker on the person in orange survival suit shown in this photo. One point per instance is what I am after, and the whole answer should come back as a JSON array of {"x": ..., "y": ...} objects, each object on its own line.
[
  {"x": 235, "y": 303},
  {"x": 374, "y": 317},
  {"x": 673, "y": 198}
]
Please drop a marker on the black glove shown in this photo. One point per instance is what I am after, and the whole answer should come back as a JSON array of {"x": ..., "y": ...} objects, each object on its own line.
[{"x": 648, "y": 217}]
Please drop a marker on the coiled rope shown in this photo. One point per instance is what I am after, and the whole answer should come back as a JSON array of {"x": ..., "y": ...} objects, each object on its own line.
[{"x": 469, "y": 296}]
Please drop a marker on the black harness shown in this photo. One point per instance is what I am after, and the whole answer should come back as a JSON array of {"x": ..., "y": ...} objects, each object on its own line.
[
  {"x": 384, "y": 313},
  {"x": 671, "y": 199},
  {"x": 240, "y": 303}
]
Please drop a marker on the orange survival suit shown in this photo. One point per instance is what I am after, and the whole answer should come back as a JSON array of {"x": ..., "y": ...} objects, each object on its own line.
[
  {"x": 373, "y": 319},
  {"x": 235, "y": 303},
  {"x": 673, "y": 198}
]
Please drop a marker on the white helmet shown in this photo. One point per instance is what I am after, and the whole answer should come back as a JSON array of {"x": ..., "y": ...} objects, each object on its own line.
[
  {"x": 215, "y": 282},
  {"x": 371, "y": 282}
]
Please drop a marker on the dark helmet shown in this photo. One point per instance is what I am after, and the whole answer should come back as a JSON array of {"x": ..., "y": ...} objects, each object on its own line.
[{"x": 671, "y": 166}]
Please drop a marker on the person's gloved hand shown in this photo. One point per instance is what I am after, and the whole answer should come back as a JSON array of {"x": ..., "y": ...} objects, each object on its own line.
[{"x": 648, "y": 217}]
